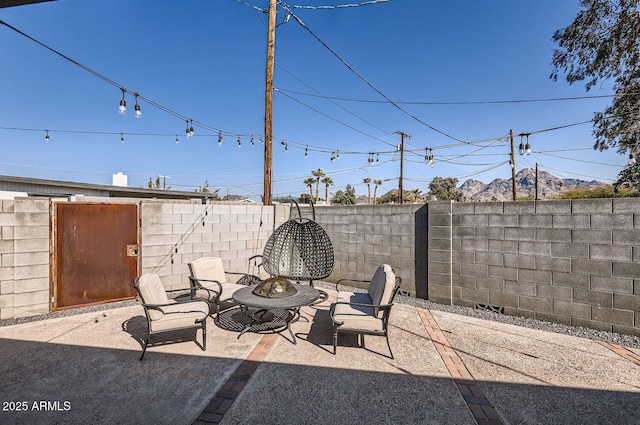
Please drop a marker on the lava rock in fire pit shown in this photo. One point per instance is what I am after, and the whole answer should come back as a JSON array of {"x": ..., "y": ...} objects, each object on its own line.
[{"x": 275, "y": 287}]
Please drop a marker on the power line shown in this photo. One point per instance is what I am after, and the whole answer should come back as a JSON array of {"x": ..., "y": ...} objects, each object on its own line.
[
  {"x": 355, "y": 72},
  {"x": 471, "y": 102},
  {"x": 121, "y": 87},
  {"x": 341, "y": 6}
]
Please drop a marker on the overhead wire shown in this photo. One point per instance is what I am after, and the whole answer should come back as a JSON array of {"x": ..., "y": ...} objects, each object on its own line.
[
  {"x": 361, "y": 77},
  {"x": 441, "y": 103}
]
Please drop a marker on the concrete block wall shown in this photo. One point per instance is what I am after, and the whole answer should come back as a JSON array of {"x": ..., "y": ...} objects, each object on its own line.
[
  {"x": 174, "y": 234},
  {"x": 574, "y": 262},
  {"x": 24, "y": 257},
  {"x": 365, "y": 236}
]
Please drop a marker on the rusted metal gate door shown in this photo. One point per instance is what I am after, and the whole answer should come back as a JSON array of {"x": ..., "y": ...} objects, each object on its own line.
[{"x": 96, "y": 253}]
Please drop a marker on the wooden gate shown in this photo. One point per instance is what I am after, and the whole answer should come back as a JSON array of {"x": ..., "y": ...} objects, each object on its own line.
[{"x": 96, "y": 253}]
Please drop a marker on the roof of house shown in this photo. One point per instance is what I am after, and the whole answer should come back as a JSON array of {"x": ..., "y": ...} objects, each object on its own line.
[{"x": 42, "y": 187}]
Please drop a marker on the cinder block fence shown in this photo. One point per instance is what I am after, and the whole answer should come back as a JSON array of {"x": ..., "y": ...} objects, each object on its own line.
[{"x": 573, "y": 262}]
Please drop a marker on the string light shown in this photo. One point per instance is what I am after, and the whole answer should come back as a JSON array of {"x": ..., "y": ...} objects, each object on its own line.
[
  {"x": 239, "y": 144},
  {"x": 377, "y": 158},
  {"x": 283, "y": 143},
  {"x": 306, "y": 152},
  {"x": 121, "y": 138},
  {"x": 46, "y": 137},
  {"x": 252, "y": 144},
  {"x": 220, "y": 138},
  {"x": 187, "y": 129},
  {"x": 428, "y": 157},
  {"x": 191, "y": 131},
  {"x": 177, "y": 141},
  {"x": 137, "y": 107},
  {"x": 122, "y": 109}
]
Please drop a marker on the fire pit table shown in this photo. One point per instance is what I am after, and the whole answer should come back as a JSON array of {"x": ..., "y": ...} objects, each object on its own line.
[{"x": 262, "y": 309}]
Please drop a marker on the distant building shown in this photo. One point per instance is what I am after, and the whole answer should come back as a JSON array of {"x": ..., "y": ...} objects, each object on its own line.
[{"x": 12, "y": 187}]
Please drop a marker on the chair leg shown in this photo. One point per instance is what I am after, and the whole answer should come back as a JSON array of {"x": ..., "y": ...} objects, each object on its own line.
[
  {"x": 144, "y": 347},
  {"x": 388, "y": 344},
  {"x": 204, "y": 335}
]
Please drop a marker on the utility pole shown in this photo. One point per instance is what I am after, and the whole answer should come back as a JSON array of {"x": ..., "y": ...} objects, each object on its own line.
[
  {"x": 268, "y": 113},
  {"x": 536, "y": 181},
  {"x": 513, "y": 165},
  {"x": 402, "y": 136}
]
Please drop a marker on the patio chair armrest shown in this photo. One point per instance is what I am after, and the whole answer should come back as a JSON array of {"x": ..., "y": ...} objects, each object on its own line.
[
  {"x": 349, "y": 280},
  {"x": 159, "y": 308},
  {"x": 332, "y": 307},
  {"x": 195, "y": 284}
]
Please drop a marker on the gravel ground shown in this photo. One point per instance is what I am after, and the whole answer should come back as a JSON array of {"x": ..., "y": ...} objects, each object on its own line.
[{"x": 615, "y": 338}]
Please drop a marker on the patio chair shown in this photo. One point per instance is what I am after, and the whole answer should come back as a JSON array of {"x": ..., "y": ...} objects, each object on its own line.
[
  {"x": 209, "y": 280},
  {"x": 165, "y": 315},
  {"x": 366, "y": 313}
]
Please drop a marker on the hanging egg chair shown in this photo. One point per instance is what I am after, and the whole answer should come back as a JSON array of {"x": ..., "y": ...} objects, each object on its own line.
[{"x": 299, "y": 250}]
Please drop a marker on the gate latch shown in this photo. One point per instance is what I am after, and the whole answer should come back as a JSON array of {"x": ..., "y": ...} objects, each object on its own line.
[{"x": 133, "y": 250}]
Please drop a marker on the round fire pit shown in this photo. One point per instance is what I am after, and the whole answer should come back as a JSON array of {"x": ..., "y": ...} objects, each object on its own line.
[{"x": 275, "y": 287}]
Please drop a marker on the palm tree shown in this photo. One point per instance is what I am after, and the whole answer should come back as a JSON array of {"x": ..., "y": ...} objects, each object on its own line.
[
  {"x": 309, "y": 183},
  {"x": 416, "y": 193},
  {"x": 375, "y": 189},
  {"x": 367, "y": 181},
  {"x": 327, "y": 181},
  {"x": 318, "y": 174}
]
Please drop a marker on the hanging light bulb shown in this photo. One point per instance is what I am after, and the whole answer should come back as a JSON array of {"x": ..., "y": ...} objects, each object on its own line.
[
  {"x": 121, "y": 138},
  {"x": 122, "y": 109},
  {"x": 527, "y": 147},
  {"x": 220, "y": 138},
  {"x": 137, "y": 108},
  {"x": 306, "y": 152},
  {"x": 252, "y": 144},
  {"x": 46, "y": 137},
  {"x": 239, "y": 144},
  {"x": 283, "y": 143},
  {"x": 377, "y": 158},
  {"x": 521, "y": 146},
  {"x": 187, "y": 132},
  {"x": 177, "y": 141},
  {"x": 191, "y": 131},
  {"x": 337, "y": 155}
]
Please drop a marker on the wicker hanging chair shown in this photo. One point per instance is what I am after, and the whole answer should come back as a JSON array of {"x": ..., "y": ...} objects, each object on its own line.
[{"x": 299, "y": 250}]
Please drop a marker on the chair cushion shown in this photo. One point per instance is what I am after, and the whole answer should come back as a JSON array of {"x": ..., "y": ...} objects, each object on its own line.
[
  {"x": 152, "y": 292},
  {"x": 180, "y": 315},
  {"x": 381, "y": 286},
  {"x": 355, "y": 317},
  {"x": 210, "y": 268}
]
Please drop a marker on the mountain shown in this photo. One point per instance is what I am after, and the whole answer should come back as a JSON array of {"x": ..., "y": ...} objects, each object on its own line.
[{"x": 501, "y": 189}]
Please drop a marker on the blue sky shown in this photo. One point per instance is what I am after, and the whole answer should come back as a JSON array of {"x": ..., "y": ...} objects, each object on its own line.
[{"x": 443, "y": 64}]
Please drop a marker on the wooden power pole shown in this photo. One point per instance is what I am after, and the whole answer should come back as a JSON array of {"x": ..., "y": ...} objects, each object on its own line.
[
  {"x": 400, "y": 190},
  {"x": 513, "y": 165},
  {"x": 268, "y": 113}
]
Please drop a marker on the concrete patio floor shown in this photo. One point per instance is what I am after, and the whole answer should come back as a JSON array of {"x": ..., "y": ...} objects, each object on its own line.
[{"x": 448, "y": 369}]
